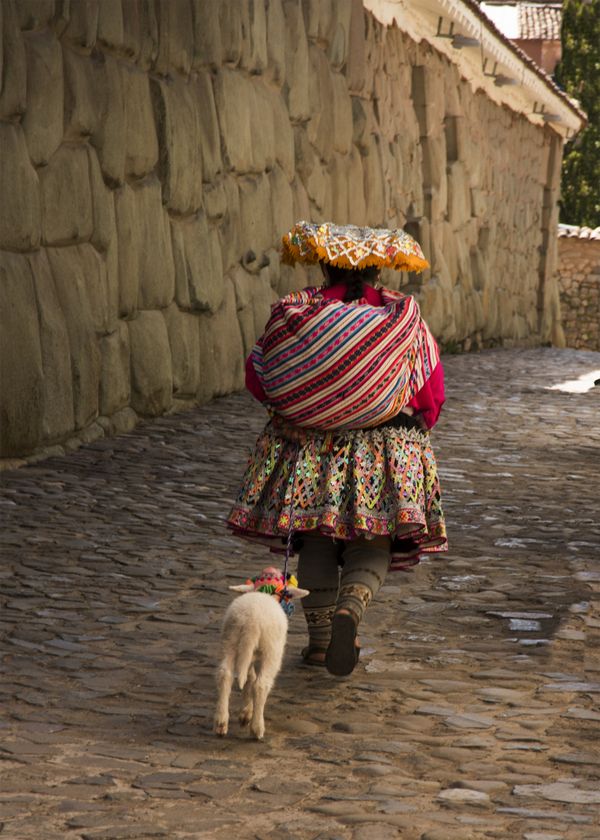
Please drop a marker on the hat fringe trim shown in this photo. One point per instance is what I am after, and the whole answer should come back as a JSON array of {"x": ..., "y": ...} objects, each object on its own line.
[{"x": 291, "y": 254}]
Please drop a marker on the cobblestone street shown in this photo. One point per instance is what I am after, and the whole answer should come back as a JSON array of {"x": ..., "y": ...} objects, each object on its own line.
[{"x": 473, "y": 712}]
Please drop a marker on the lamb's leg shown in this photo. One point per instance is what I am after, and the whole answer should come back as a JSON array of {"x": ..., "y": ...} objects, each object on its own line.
[
  {"x": 224, "y": 684},
  {"x": 247, "y": 698},
  {"x": 269, "y": 668}
]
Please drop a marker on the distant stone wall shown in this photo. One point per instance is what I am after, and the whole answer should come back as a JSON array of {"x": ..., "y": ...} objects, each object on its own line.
[
  {"x": 154, "y": 152},
  {"x": 579, "y": 283}
]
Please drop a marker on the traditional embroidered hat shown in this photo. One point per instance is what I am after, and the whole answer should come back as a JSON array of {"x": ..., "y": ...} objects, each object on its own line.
[{"x": 349, "y": 246}]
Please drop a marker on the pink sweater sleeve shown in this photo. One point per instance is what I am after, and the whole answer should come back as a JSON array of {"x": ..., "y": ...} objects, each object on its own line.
[
  {"x": 253, "y": 383},
  {"x": 430, "y": 399}
]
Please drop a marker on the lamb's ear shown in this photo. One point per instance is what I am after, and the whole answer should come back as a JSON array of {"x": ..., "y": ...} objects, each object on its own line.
[
  {"x": 297, "y": 592},
  {"x": 242, "y": 587}
]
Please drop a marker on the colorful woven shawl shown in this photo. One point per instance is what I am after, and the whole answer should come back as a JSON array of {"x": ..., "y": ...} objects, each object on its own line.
[{"x": 327, "y": 364}]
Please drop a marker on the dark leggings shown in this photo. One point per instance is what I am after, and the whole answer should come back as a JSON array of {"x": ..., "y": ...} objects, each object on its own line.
[{"x": 365, "y": 564}]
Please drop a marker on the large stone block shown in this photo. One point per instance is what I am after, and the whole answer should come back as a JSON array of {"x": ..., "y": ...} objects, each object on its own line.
[
  {"x": 433, "y": 305},
  {"x": 57, "y": 416},
  {"x": 82, "y": 26},
  {"x": 182, "y": 286},
  {"x": 93, "y": 269},
  {"x": 253, "y": 296},
  {"x": 254, "y": 45},
  {"x": 340, "y": 187},
  {"x": 208, "y": 127},
  {"x": 339, "y": 35},
  {"x": 319, "y": 189},
  {"x": 222, "y": 349},
  {"x": 105, "y": 98},
  {"x": 229, "y": 229},
  {"x": 111, "y": 31},
  {"x": 297, "y": 62},
  {"x": 459, "y": 195},
  {"x": 140, "y": 32},
  {"x": 427, "y": 93},
  {"x": 207, "y": 384},
  {"x": 67, "y": 215},
  {"x": 115, "y": 386},
  {"x": 282, "y": 202},
  {"x": 175, "y": 36},
  {"x": 43, "y": 119},
  {"x": 318, "y": 17},
  {"x": 342, "y": 115},
  {"x": 363, "y": 123},
  {"x": 434, "y": 162},
  {"x": 357, "y": 53},
  {"x": 78, "y": 298},
  {"x": 284, "y": 134},
  {"x": 215, "y": 200},
  {"x": 234, "y": 22},
  {"x": 301, "y": 204},
  {"x": 198, "y": 263},
  {"x": 34, "y": 14},
  {"x": 357, "y": 207},
  {"x": 86, "y": 100},
  {"x": 111, "y": 261},
  {"x": 178, "y": 119},
  {"x": 21, "y": 372},
  {"x": 184, "y": 340},
  {"x": 233, "y": 95},
  {"x": 20, "y": 219},
  {"x": 256, "y": 232},
  {"x": 320, "y": 129},
  {"x": 374, "y": 183},
  {"x": 151, "y": 370},
  {"x": 305, "y": 154},
  {"x": 103, "y": 211},
  {"x": 207, "y": 35},
  {"x": 262, "y": 127},
  {"x": 129, "y": 232},
  {"x": 144, "y": 249},
  {"x": 276, "y": 37},
  {"x": 13, "y": 65},
  {"x": 140, "y": 140}
]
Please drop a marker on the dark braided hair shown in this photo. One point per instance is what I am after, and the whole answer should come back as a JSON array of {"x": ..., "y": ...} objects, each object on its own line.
[{"x": 354, "y": 278}]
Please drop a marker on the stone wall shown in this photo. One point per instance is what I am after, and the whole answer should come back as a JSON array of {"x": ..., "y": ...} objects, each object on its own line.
[
  {"x": 579, "y": 284},
  {"x": 154, "y": 152}
]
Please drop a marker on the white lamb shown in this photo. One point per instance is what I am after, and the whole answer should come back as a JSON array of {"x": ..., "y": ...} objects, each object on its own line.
[{"x": 253, "y": 638}]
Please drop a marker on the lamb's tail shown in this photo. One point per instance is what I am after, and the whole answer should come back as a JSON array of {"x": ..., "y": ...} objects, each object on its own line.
[{"x": 247, "y": 644}]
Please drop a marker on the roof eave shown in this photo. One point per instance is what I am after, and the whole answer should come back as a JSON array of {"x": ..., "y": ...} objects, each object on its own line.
[{"x": 532, "y": 92}]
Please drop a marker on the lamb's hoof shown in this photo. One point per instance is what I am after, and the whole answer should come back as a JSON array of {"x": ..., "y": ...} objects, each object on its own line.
[
  {"x": 259, "y": 733},
  {"x": 245, "y": 718},
  {"x": 220, "y": 728}
]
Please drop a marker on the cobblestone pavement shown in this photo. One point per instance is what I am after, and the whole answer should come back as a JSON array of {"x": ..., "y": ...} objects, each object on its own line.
[{"x": 474, "y": 710}]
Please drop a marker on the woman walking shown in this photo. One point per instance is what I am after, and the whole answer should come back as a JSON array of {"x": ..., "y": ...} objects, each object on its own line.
[{"x": 351, "y": 376}]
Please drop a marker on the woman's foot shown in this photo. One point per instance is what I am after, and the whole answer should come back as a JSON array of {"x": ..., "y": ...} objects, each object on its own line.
[
  {"x": 313, "y": 655},
  {"x": 343, "y": 651}
]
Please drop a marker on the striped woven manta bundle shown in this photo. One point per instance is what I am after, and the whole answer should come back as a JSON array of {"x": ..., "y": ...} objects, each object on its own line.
[{"x": 327, "y": 364}]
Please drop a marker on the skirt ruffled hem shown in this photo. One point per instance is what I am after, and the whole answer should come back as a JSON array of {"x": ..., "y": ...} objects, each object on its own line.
[{"x": 344, "y": 484}]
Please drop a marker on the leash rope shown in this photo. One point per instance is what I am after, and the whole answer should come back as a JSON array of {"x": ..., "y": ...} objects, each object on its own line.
[{"x": 290, "y": 535}]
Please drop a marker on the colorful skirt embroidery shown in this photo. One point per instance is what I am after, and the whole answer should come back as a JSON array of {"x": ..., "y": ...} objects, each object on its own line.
[{"x": 345, "y": 484}]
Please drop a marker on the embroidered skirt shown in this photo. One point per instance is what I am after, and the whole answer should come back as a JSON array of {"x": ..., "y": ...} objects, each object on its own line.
[{"x": 345, "y": 484}]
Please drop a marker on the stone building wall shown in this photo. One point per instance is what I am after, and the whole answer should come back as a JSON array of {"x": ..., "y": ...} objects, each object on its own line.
[
  {"x": 154, "y": 152},
  {"x": 579, "y": 284}
]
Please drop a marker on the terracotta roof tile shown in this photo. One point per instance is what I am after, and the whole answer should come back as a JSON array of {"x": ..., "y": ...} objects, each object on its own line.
[
  {"x": 575, "y": 232},
  {"x": 538, "y": 21}
]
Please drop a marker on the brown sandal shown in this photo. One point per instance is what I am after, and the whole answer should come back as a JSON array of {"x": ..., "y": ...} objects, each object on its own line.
[{"x": 309, "y": 653}]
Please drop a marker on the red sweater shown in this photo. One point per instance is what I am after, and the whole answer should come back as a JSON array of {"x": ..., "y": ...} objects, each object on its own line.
[{"x": 429, "y": 400}]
